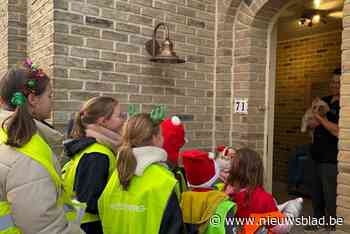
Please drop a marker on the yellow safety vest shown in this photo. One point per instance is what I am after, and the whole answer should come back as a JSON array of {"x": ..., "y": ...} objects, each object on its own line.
[
  {"x": 140, "y": 209},
  {"x": 69, "y": 172},
  {"x": 38, "y": 150}
]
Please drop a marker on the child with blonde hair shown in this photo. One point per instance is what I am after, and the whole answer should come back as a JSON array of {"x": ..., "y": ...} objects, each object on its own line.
[
  {"x": 140, "y": 195},
  {"x": 93, "y": 140}
]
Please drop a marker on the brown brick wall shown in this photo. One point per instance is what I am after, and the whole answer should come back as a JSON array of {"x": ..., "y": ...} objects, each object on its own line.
[{"x": 304, "y": 67}]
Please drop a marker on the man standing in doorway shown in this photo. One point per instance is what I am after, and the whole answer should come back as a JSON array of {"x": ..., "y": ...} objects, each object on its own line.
[{"x": 324, "y": 151}]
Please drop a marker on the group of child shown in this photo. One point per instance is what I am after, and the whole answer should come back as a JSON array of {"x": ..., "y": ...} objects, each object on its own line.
[{"x": 123, "y": 176}]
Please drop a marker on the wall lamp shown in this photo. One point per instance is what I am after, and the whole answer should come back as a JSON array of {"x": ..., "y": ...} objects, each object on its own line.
[{"x": 164, "y": 53}]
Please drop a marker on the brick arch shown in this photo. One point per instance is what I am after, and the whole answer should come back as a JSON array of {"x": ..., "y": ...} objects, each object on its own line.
[
  {"x": 251, "y": 28},
  {"x": 241, "y": 54},
  {"x": 249, "y": 74}
]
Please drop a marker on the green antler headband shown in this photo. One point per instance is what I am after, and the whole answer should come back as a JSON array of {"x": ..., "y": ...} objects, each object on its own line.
[
  {"x": 158, "y": 114},
  {"x": 132, "y": 110}
]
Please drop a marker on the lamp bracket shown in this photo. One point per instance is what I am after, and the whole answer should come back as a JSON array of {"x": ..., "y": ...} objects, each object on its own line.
[{"x": 149, "y": 47}]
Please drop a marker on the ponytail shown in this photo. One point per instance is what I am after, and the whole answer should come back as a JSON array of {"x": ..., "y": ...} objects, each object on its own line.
[
  {"x": 138, "y": 131},
  {"x": 90, "y": 112},
  {"x": 20, "y": 126},
  {"x": 78, "y": 129},
  {"x": 126, "y": 165}
]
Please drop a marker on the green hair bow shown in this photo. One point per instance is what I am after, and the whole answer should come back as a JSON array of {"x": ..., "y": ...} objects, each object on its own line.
[
  {"x": 18, "y": 99},
  {"x": 158, "y": 114}
]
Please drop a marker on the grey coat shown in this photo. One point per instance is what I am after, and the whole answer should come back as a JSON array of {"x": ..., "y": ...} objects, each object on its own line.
[{"x": 30, "y": 190}]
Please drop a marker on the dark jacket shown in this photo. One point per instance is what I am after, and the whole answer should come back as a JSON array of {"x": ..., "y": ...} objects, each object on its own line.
[{"x": 90, "y": 179}]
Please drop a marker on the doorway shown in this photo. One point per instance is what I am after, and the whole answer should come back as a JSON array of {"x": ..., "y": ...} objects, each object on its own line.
[{"x": 304, "y": 50}]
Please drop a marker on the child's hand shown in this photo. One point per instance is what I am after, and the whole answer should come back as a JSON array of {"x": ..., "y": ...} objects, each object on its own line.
[
  {"x": 224, "y": 174},
  {"x": 230, "y": 190}
]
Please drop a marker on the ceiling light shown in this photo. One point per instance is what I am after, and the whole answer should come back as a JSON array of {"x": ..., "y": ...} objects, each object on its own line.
[
  {"x": 317, "y": 3},
  {"x": 316, "y": 19}
]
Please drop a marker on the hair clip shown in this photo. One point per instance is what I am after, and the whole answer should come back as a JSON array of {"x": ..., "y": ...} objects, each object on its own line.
[{"x": 18, "y": 99}]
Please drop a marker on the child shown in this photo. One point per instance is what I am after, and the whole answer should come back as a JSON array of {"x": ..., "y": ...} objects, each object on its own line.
[
  {"x": 139, "y": 197},
  {"x": 173, "y": 132},
  {"x": 204, "y": 201},
  {"x": 31, "y": 187},
  {"x": 93, "y": 139},
  {"x": 224, "y": 160},
  {"x": 245, "y": 187}
]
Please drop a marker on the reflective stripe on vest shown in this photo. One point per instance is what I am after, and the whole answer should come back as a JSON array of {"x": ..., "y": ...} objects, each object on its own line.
[
  {"x": 69, "y": 172},
  {"x": 140, "y": 209},
  {"x": 6, "y": 222},
  {"x": 221, "y": 212},
  {"x": 7, "y": 226}
]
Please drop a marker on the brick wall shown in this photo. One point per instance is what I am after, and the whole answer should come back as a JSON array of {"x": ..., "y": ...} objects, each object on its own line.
[
  {"x": 17, "y": 29},
  {"x": 40, "y": 33},
  {"x": 3, "y": 36},
  {"x": 13, "y": 23},
  {"x": 304, "y": 67},
  {"x": 343, "y": 189},
  {"x": 99, "y": 50},
  {"x": 223, "y": 69}
]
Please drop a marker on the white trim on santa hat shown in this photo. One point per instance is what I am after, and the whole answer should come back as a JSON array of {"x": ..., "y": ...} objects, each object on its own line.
[{"x": 209, "y": 183}]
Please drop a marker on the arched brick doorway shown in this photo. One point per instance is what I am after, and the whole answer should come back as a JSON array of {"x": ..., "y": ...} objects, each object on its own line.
[{"x": 244, "y": 31}]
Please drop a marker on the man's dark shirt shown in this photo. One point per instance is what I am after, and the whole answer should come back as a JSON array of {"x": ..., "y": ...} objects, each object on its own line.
[{"x": 325, "y": 146}]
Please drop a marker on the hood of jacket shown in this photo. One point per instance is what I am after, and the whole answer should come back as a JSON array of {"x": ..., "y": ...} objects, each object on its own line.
[
  {"x": 198, "y": 207},
  {"x": 148, "y": 155},
  {"x": 73, "y": 146}
]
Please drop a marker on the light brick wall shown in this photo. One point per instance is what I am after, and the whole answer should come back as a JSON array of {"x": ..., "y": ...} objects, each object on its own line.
[
  {"x": 224, "y": 67},
  {"x": 99, "y": 50},
  {"x": 304, "y": 68},
  {"x": 3, "y": 36},
  {"x": 40, "y": 33},
  {"x": 17, "y": 30},
  {"x": 343, "y": 208},
  {"x": 13, "y": 23}
]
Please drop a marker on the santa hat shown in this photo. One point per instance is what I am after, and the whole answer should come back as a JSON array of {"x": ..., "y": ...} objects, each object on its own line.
[
  {"x": 224, "y": 150},
  {"x": 200, "y": 168},
  {"x": 174, "y": 137}
]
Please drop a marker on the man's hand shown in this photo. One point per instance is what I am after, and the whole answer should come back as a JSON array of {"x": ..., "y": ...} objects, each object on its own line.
[{"x": 330, "y": 126}]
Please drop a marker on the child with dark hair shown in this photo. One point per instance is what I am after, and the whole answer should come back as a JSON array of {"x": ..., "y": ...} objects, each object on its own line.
[
  {"x": 245, "y": 186},
  {"x": 32, "y": 194}
]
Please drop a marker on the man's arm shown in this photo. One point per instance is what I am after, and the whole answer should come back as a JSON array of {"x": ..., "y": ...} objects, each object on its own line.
[{"x": 330, "y": 126}]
